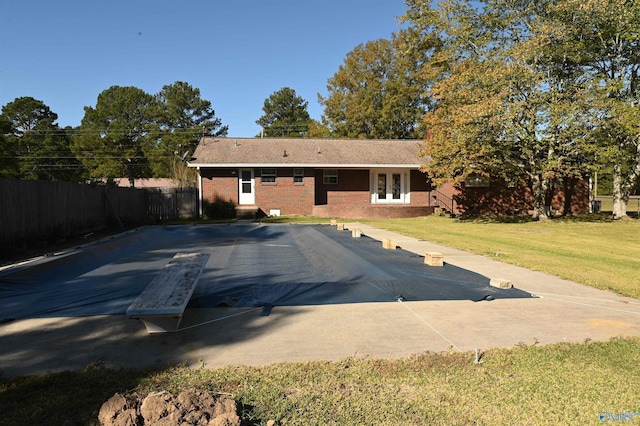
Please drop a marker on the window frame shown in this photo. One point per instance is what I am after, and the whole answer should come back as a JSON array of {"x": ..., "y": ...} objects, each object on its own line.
[
  {"x": 474, "y": 180},
  {"x": 403, "y": 188},
  {"x": 298, "y": 176},
  {"x": 330, "y": 178},
  {"x": 264, "y": 173}
]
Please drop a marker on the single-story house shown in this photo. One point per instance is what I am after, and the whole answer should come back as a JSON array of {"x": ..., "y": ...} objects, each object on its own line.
[{"x": 352, "y": 178}]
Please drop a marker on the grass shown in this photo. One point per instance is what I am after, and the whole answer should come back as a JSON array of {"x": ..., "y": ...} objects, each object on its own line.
[
  {"x": 526, "y": 385},
  {"x": 554, "y": 384},
  {"x": 633, "y": 206}
]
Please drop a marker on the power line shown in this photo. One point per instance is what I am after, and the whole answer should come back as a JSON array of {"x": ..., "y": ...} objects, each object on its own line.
[{"x": 73, "y": 132}]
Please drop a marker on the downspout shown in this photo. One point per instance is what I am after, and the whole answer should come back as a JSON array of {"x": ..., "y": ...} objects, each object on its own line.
[{"x": 199, "y": 193}]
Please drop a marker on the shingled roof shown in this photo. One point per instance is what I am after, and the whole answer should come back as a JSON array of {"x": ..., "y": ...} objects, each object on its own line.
[{"x": 268, "y": 152}]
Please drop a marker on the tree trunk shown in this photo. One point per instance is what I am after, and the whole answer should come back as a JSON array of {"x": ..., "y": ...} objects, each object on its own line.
[
  {"x": 569, "y": 188},
  {"x": 619, "y": 203},
  {"x": 622, "y": 185},
  {"x": 539, "y": 186}
]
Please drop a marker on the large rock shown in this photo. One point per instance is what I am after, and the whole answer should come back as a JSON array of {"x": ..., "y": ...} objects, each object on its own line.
[
  {"x": 191, "y": 407},
  {"x": 118, "y": 411}
]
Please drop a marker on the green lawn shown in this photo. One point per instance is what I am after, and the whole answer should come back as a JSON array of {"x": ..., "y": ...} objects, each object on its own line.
[
  {"x": 567, "y": 384},
  {"x": 633, "y": 206},
  {"x": 554, "y": 384}
]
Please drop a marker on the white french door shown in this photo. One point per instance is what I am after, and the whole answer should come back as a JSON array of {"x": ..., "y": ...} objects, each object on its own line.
[{"x": 389, "y": 187}]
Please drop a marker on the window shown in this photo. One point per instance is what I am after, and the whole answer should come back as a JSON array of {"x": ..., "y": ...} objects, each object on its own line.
[
  {"x": 330, "y": 176},
  {"x": 382, "y": 186},
  {"x": 268, "y": 176},
  {"x": 476, "y": 181},
  {"x": 246, "y": 176},
  {"x": 298, "y": 176}
]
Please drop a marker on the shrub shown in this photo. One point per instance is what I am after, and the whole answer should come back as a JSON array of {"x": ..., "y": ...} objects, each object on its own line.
[{"x": 220, "y": 210}]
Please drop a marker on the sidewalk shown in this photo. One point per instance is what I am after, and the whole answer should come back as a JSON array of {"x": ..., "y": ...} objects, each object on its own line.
[{"x": 563, "y": 312}]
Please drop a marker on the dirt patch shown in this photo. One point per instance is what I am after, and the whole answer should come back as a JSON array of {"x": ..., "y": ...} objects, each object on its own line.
[{"x": 191, "y": 407}]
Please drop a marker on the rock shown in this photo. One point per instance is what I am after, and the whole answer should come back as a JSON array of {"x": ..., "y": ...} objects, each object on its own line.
[
  {"x": 158, "y": 406},
  {"x": 226, "y": 419},
  {"x": 117, "y": 412},
  {"x": 191, "y": 407},
  {"x": 198, "y": 407}
]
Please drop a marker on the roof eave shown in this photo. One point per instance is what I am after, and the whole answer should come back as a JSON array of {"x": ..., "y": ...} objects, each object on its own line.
[{"x": 300, "y": 165}]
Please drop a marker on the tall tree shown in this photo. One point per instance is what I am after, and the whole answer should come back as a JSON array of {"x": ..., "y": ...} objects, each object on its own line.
[
  {"x": 508, "y": 105},
  {"x": 181, "y": 117},
  {"x": 605, "y": 33},
  {"x": 318, "y": 130},
  {"x": 40, "y": 148},
  {"x": 378, "y": 92},
  {"x": 285, "y": 115},
  {"x": 9, "y": 167},
  {"x": 113, "y": 136}
]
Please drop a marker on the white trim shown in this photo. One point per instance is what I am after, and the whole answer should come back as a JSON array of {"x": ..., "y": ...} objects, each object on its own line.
[
  {"x": 247, "y": 198},
  {"x": 304, "y": 165},
  {"x": 200, "y": 212},
  {"x": 405, "y": 185}
]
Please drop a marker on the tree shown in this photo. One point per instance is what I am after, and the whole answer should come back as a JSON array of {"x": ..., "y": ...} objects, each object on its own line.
[
  {"x": 509, "y": 104},
  {"x": 37, "y": 147},
  {"x": 181, "y": 117},
  {"x": 285, "y": 115},
  {"x": 606, "y": 35},
  {"x": 318, "y": 130},
  {"x": 113, "y": 137},
  {"x": 379, "y": 91},
  {"x": 9, "y": 167}
]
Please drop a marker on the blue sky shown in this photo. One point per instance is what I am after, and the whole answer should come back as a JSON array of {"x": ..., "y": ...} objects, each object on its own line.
[{"x": 237, "y": 53}]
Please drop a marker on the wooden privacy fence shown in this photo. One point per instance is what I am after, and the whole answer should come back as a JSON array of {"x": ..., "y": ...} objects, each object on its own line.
[
  {"x": 41, "y": 211},
  {"x": 172, "y": 203}
]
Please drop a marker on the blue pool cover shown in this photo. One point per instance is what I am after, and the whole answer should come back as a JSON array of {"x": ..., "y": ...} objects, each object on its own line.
[{"x": 250, "y": 265}]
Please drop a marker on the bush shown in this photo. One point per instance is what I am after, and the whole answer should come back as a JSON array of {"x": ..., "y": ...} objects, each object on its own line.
[{"x": 220, "y": 210}]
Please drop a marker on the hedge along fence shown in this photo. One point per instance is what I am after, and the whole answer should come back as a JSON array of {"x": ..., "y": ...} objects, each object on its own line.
[{"x": 32, "y": 212}]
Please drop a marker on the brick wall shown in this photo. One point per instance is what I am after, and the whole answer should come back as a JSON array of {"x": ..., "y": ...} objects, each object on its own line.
[
  {"x": 371, "y": 211},
  {"x": 220, "y": 185},
  {"x": 501, "y": 199},
  {"x": 351, "y": 195},
  {"x": 420, "y": 187},
  {"x": 352, "y": 188},
  {"x": 289, "y": 197}
]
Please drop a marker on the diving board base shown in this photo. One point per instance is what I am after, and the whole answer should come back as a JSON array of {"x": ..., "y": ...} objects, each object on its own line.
[{"x": 160, "y": 324}]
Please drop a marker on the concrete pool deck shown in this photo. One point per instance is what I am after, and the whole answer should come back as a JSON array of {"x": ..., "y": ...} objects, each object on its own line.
[{"x": 563, "y": 311}]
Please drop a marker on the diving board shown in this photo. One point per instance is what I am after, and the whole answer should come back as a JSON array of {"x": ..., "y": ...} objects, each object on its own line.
[{"x": 161, "y": 305}]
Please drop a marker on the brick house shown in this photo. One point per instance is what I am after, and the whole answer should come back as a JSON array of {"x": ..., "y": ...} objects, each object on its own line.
[
  {"x": 314, "y": 177},
  {"x": 351, "y": 179}
]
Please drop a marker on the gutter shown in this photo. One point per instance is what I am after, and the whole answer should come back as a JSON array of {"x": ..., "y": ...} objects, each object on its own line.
[{"x": 303, "y": 165}]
